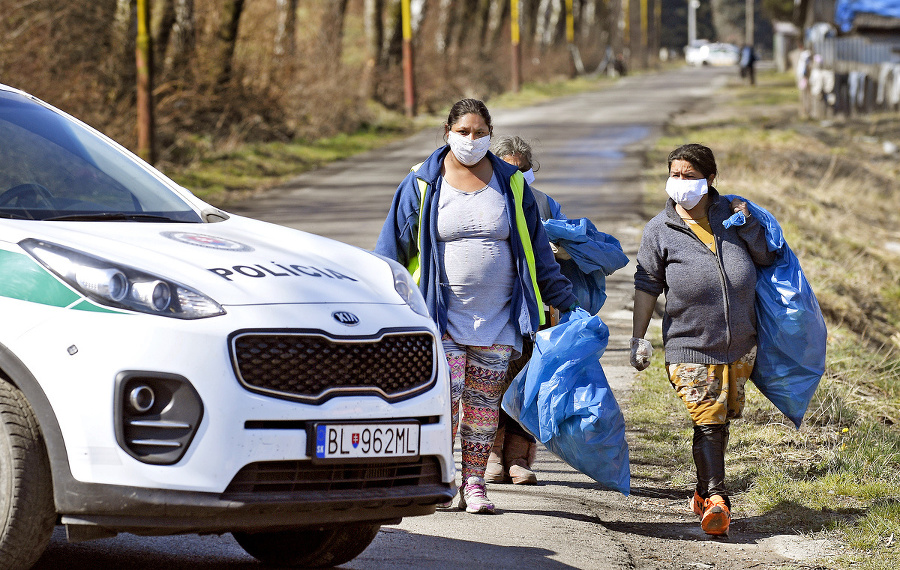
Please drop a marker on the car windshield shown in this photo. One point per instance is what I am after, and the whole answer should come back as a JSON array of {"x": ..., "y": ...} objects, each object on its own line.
[{"x": 53, "y": 168}]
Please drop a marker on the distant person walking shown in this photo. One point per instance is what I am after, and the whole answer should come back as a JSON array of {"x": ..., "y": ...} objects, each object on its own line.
[
  {"x": 466, "y": 225},
  {"x": 708, "y": 274},
  {"x": 748, "y": 63}
]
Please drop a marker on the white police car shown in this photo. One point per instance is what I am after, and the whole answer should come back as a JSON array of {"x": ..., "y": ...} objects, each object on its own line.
[{"x": 167, "y": 368}]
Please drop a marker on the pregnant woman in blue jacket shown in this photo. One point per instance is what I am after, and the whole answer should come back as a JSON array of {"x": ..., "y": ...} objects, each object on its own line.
[{"x": 466, "y": 225}]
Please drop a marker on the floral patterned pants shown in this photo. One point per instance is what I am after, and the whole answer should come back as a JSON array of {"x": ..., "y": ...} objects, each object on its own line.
[
  {"x": 477, "y": 381},
  {"x": 713, "y": 393}
]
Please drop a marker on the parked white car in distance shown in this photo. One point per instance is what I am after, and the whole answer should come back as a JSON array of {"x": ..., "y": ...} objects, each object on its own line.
[{"x": 713, "y": 54}]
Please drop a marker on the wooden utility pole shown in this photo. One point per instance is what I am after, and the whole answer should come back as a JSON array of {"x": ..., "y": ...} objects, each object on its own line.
[
  {"x": 409, "y": 87},
  {"x": 144, "y": 61},
  {"x": 516, "y": 45}
]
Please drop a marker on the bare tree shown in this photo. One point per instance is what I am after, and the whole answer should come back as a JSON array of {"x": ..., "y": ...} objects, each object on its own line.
[
  {"x": 497, "y": 16},
  {"x": 445, "y": 26},
  {"x": 226, "y": 38},
  {"x": 162, "y": 29},
  {"x": 122, "y": 39},
  {"x": 183, "y": 36},
  {"x": 331, "y": 33},
  {"x": 285, "y": 32},
  {"x": 374, "y": 29},
  {"x": 392, "y": 46}
]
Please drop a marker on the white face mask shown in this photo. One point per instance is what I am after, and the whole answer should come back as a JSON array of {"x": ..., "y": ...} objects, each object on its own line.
[
  {"x": 529, "y": 176},
  {"x": 687, "y": 193},
  {"x": 466, "y": 150}
]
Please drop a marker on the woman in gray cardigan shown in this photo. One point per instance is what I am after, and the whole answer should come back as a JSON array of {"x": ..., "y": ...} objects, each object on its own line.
[{"x": 708, "y": 276}]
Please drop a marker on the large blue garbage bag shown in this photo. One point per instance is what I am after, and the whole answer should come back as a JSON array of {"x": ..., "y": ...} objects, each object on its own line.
[
  {"x": 562, "y": 397},
  {"x": 790, "y": 329},
  {"x": 594, "y": 256}
]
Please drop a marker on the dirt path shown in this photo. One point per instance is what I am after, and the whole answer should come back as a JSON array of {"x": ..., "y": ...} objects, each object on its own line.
[{"x": 592, "y": 149}]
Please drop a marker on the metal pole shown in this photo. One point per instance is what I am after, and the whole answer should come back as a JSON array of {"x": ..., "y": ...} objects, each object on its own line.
[
  {"x": 409, "y": 88},
  {"x": 692, "y": 21},
  {"x": 144, "y": 63},
  {"x": 516, "y": 46},
  {"x": 748, "y": 32}
]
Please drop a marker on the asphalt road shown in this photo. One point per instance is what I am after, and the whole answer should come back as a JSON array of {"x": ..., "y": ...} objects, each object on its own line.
[{"x": 590, "y": 148}]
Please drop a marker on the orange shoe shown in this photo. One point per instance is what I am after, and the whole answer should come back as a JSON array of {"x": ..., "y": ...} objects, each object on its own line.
[
  {"x": 716, "y": 517},
  {"x": 698, "y": 504}
]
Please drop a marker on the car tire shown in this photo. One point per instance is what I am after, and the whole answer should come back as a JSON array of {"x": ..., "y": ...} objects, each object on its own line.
[
  {"x": 27, "y": 511},
  {"x": 309, "y": 548}
]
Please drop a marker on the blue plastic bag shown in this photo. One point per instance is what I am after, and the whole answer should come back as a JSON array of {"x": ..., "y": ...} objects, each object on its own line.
[
  {"x": 594, "y": 256},
  {"x": 790, "y": 329},
  {"x": 562, "y": 398}
]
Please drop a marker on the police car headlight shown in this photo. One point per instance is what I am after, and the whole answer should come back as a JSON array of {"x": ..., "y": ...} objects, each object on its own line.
[
  {"x": 120, "y": 286},
  {"x": 407, "y": 288}
]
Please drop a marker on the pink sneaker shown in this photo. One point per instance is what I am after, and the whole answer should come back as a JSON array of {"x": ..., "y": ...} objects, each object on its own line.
[{"x": 474, "y": 499}]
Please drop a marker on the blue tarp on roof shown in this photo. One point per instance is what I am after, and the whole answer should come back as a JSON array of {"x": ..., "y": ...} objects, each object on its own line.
[{"x": 845, "y": 10}]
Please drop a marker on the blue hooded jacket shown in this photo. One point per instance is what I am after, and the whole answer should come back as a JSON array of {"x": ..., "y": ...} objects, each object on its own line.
[{"x": 401, "y": 237}]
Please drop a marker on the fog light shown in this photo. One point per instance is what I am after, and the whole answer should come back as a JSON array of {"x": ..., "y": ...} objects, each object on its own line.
[
  {"x": 141, "y": 398},
  {"x": 157, "y": 415}
]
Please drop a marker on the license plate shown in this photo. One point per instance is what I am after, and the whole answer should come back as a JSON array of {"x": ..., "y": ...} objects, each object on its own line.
[{"x": 349, "y": 441}]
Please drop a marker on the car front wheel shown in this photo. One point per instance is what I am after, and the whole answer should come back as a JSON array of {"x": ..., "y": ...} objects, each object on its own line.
[
  {"x": 27, "y": 512},
  {"x": 309, "y": 548}
]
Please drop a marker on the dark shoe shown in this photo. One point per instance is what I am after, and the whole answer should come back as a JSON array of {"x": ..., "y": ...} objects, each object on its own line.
[{"x": 717, "y": 517}]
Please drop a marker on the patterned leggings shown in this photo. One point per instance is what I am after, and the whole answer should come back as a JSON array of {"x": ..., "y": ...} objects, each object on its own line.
[{"x": 477, "y": 376}]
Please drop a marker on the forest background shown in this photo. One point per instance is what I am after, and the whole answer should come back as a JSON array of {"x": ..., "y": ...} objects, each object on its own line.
[{"x": 228, "y": 72}]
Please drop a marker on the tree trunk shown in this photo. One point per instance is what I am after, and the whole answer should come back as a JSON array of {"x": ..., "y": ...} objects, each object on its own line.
[
  {"x": 445, "y": 26},
  {"x": 123, "y": 46},
  {"x": 497, "y": 17},
  {"x": 331, "y": 33},
  {"x": 392, "y": 48},
  {"x": 374, "y": 29},
  {"x": 542, "y": 23},
  {"x": 464, "y": 14},
  {"x": 163, "y": 30},
  {"x": 728, "y": 20},
  {"x": 528, "y": 21},
  {"x": 285, "y": 34},
  {"x": 226, "y": 38},
  {"x": 183, "y": 36}
]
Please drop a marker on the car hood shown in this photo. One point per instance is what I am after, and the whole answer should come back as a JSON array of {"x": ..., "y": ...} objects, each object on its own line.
[{"x": 238, "y": 261}]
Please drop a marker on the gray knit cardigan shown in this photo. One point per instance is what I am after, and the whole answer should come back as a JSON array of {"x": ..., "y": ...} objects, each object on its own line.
[{"x": 710, "y": 316}]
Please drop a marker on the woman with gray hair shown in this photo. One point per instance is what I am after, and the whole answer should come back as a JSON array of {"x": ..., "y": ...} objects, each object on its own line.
[{"x": 515, "y": 449}]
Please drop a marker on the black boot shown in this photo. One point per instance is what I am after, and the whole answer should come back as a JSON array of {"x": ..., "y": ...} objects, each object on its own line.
[
  {"x": 709, "y": 455},
  {"x": 709, "y": 446}
]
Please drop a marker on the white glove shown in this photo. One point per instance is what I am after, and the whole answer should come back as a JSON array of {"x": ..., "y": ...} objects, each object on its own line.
[{"x": 641, "y": 351}]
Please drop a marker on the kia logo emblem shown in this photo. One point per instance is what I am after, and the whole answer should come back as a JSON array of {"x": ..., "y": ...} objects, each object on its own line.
[{"x": 345, "y": 318}]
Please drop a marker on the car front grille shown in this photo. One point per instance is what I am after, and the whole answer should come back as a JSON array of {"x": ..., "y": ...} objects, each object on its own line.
[
  {"x": 269, "y": 478},
  {"x": 311, "y": 366}
]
